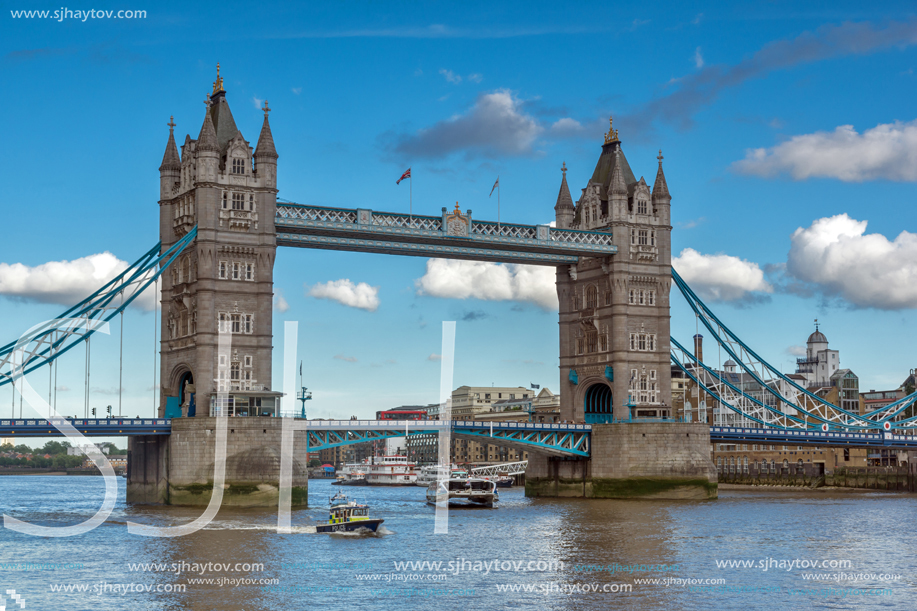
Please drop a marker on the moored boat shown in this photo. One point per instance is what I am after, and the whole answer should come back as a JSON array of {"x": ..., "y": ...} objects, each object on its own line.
[{"x": 465, "y": 490}]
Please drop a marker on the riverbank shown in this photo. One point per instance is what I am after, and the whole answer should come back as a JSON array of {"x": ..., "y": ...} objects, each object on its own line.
[{"x": 50, "y": 472}]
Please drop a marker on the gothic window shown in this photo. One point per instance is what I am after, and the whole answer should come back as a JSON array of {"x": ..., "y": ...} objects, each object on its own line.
[
  {"x": 652, "y": 238},
  {"x": 236, "y": 323},
  {"x": 640, "y": 299},
  {"x": 579, "y": 345},
  {"x": 234, "y": 372},
  {"x": 238, "y": 166},
  {"x": 224, "y": 200},
  {"x": 641, "y": 206},
  {"x": 223, "y": 323},
  {"x": 603, "y": 343},
  {"x": 247, "y": 359},
  {"x": 249, "y": 271},
  {"x": 633, "y": 341},
  {"x": 642, "y": 238},
  {"x": 632, "y": 297},
  {"x": 248, "y": 323},
  {"x": 591, "y": 341},
  {"x": 633, "y": 237},
  {"x": 238, "y": 201},
  {"x": 222, "y": 361},
  {"x": 235, "y": 270},
  {"x": 592, "y": 296},
  {"x": 194, "y": 322},
  {"x": 607, "y": 297},
  {"x": 223, "y": 270},
  {"x": 641, "y": 342},
  {"x": 251, "y": 201},
  {"x": 651, "y": 298}
]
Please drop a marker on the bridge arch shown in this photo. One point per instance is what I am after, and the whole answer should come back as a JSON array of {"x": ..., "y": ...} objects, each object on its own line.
[{"x": 597, "y": 403}]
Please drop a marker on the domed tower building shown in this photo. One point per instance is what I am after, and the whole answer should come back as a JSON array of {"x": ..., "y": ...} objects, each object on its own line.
[
  {"x": 225, "y": 277},
  {"x": 820, "y": 363},
  {"x": 614, "y": 311}
]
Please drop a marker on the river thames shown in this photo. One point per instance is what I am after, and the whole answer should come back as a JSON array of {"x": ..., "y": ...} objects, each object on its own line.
[{"x": 750, "y": 549}]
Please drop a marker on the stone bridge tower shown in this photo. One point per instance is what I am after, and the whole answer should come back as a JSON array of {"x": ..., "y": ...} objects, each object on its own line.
[
  {"x": 226, "y": 276},
  {"x": 614, "y": 311}
]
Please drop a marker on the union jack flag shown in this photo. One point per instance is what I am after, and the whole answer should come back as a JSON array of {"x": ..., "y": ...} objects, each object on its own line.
[{"x": 403, "y": 176}]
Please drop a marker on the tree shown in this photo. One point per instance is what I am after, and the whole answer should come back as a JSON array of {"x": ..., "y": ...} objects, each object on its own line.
[
  {"x": 54, "y": 448},
  {"x": 315, "y": 463},
  {"x": 22, "y": 449},
  {"x": 6, "y": 447}
]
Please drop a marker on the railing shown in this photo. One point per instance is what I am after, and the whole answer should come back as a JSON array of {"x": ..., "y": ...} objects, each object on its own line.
[
  {"x": 572, "y": 236},
  {"x": 525, "y": 232},
  {"x": 327, "y": 215},
  {"x": 429, "y": 223}
]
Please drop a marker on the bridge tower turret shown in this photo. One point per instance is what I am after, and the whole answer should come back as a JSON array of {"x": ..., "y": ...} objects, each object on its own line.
[
  {"x": 226, "y": 276},
  {"x": 614, "y": 311}
]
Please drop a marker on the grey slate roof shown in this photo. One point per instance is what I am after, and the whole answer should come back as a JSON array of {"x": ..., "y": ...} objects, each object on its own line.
[
  {"x": 612, "y": 157},
  {"x": 265, "y": 147},
  {"x": 207, "y": 140},
  {"x": 660, "y": 188},
  {"x": 564, "y": 201},
  {"x": 170, "y": 159},
  {"x": 223, "y": 123}
]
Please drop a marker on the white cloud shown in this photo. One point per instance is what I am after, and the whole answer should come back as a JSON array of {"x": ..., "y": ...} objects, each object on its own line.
[
  {"x": 567, "y": 127},
  {"x": 64, "y": 282},
  {"x": 494, "y": 126},
  {"x": 475, "y": 78},
  {"x": 698, "y": 58},
  {"x": 345, "y": 292},
  {"x": 720, "y": 277},
  {"x": 257, "y": 102},
  {"x": 349, "y": 359},
  {"x": 296, "y": 90},
  {"x": 887, "y": 151},
  {"x": 450, "y": 76},
  {"x": 489, "y": 281},
  {"x": 796, "y": 350},
  {"x": 435, "y": 357},
  {"x": 280, "y": 304},
  {"x": 867, "y": 270}
]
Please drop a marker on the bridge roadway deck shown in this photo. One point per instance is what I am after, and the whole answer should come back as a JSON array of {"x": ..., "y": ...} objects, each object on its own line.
[
  {"x": 452, "y": 235},
  {"x": 809, "y": 437},
  {"x": 560, "y": 439}
]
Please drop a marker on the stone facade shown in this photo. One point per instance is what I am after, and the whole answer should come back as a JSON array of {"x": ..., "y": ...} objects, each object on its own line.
[
  {"x": 226, "y": 275},
  {"x": 178, "y": 469},
  {"x": 632, "y": 460},
  {"x": 614, "y": 311}
]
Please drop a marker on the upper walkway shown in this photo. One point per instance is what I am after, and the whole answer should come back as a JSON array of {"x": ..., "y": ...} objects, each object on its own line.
[{"x": 452, "y": 235}]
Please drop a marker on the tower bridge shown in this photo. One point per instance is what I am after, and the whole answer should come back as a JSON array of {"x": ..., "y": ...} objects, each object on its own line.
[{"x": 220, "y": 224}]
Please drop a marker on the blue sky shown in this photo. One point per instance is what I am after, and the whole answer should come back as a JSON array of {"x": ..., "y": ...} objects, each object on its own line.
[{"x": 748, "y": 102}]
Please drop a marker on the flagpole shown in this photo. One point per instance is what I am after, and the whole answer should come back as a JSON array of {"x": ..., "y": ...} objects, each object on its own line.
[
  {"x": 411, "y": 198},
  {"x": 498, "y": 202}
]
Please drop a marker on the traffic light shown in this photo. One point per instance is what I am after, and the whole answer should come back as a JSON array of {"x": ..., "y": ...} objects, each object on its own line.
[
  {"x": 108, "y": 409},
  {"x": 93, "y": 411}
]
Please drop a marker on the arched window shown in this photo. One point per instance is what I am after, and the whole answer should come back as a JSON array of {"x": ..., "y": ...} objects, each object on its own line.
[
  {"x": 732, "y": 464},
  {"x": 592, "y": 339},
  {"x": 719, "y": 464},
  {"x": 757, "y": 468},
  {"x": 745, "y": 466},
  {"x": 786, "y": 466},
  {"x": 773, "y": 466},
  {"x": 238, "y": 166},
  {"x": 592, "y": 296}
]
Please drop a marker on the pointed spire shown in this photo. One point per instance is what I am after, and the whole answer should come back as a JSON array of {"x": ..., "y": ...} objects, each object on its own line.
[
  {"x": 660, "y": 188},
  {"x": 564, "y": 201},
  {"x": 265, "y": 147},
  {"x": 207, "y": 140},
  {"x": 618, "y": 186},
  {"x": 171, "y": 160}
]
